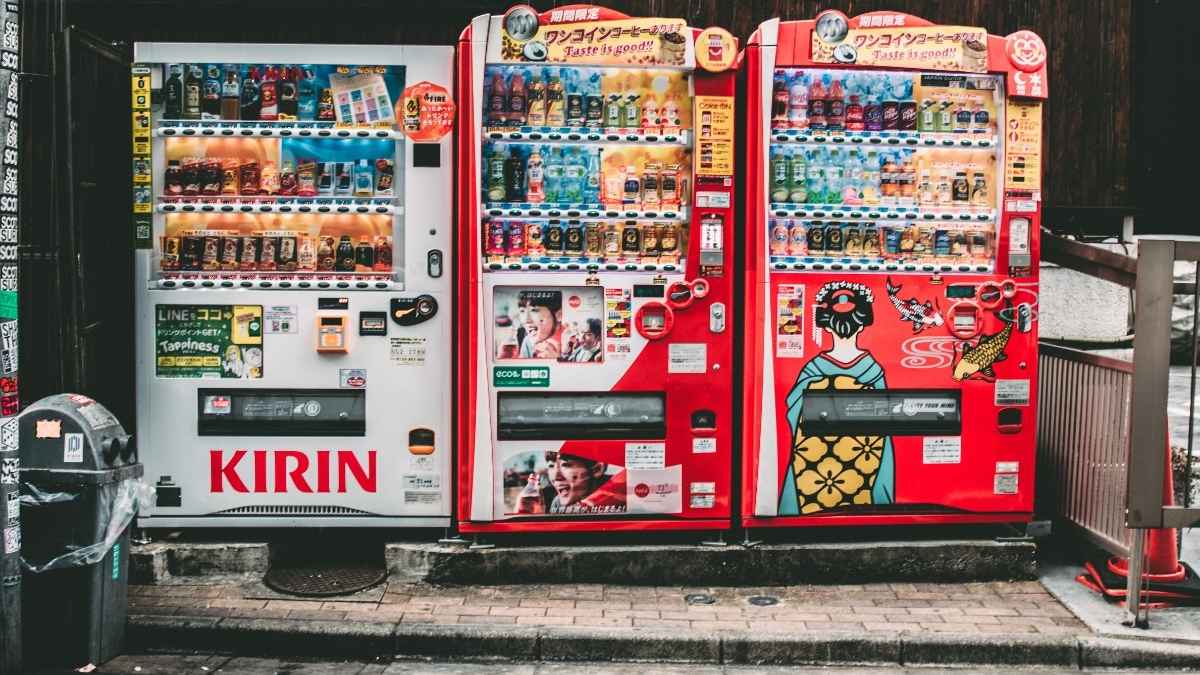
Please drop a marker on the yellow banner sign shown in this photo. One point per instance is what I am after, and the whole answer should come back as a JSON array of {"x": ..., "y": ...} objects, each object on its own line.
[
  {"x": 638, "y": 42},
  {"x": 953, "y": 48}
]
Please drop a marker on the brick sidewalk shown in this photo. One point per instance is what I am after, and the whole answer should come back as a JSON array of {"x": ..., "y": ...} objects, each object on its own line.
[{"x": 1022, "y": 607}]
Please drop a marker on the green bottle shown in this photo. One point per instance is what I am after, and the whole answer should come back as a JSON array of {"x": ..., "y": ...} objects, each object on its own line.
[{"x": 496, "y": 185}]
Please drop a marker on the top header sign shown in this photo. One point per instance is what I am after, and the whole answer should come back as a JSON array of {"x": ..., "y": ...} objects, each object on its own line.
[
  {"x": 588, "y": 35},
  {"x": 898, "y": 41}
]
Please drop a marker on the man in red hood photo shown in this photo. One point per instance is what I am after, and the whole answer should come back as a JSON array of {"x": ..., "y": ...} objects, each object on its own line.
[{"x": 583, "y": 485}]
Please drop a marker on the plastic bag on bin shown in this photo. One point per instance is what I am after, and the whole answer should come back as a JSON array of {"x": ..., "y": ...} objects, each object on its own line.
[{"x": 118, "y": 503}]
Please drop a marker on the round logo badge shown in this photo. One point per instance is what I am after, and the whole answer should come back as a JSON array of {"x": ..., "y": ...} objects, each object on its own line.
[
  {"x": 716, "y": 49},
  {"x": 1025, "y": 50},
  {"x": 426, "y": 111}
]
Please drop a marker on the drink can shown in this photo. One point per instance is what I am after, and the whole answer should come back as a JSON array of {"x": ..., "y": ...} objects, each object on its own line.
[
  {"x": 170, "y": 253},
  {"x": 230, "y": 177},
  {"x": 631, "y": 239},
  {"x": 552, "y": 238},
  {"x": 833, "y": 238},
  {"x": 211, "y": 258},
  {"x": 651, "y": 244},
  {"x": 941, "y": 243},
  {"x": 306, "y": 254},
  {"x": 612, "y": 241},
  {"x": 891, "y": 242},
  {"x": 979, "y": 243},
  {"x": 286, "y": 260},
  {"x": 816, "y": 239},
  {"x": 344, "y": 183},
  {"x": 852, "y": 241},
  {"x": 384, "y": 177},
  {"x": 516, "y": 240},
  {"x": 533, "y": 239},
  {"x": 191, "y": 251},
  {"x": 231, "y": 250},
  {"x": 924, "y": 243},
  {"x": 594, "y": 241},
  {"x": 958, "y": 244},
  {"x": 494, "y": 238},
  {"x": 249, "y": 259},
  {"x": 871, "y": 242},
  {"x": 326, "y": 178},
  {"x": 248, "y": 177},
  {"x": 668, "y": 242},
  {"x": 797, "y": 238},
  {"x": 779, "y": 236},
  {"x": 573, "y": 239},
  {"x": 212, "y": 177},
  {"x": 268, "y": 253}
]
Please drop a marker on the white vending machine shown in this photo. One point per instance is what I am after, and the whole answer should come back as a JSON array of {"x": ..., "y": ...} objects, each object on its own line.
[{"x": 293, "y": 205}]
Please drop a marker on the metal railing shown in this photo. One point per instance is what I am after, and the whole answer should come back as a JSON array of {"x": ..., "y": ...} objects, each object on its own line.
[{"x": 1083, "y": 442}]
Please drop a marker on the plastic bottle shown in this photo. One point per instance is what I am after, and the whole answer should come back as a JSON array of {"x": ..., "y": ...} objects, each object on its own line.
[
  {"x": 779, "y": 100},
  {"x": 574, "y": 107},
  {"x": 852, "y": 179},
  {"x": 797, "y": 105},
  {"x": 496, "y": 190},
  {"x": 498, "y": 100},
  {"x": 193, "y": 82},
  {"x": 632, "y": 197},
  {"x": 669, "y": 115},
  {"x": 779, "y": 175},
  {"x": 231, "y": 94},
  {"x": 573, "y": 176},
  {"x": 555, "y": 115},
  {"x": 631, "y": 116},
  {"x": 250, "y": 95},
  {"x": 210, "y": 102},
  {"x": 908, "y": 178},
  {"x": 536, "y": 113},
  {"x": 591, "y": 183},
  {"x": 535, "y": 177},
  {"x": 816, "y": 186},
  {"x": 797, "y": 177},
  {"x": 364, "y": 179},
  {"x": 854, "y": 111},
  {"x": 306, "y": 106},
  {"x": 612, "y": 111},
  {"x": 833, "y": 178},
  {"x": 649, "y": 122},
  {"x": 873, "y": 106},
  {"x": 514, "y": 176},
  {"x": 835, "y": 109},
  {"x": 779, "y": 236},
  {"x": 871, "y": 178},
  {"x": 269, "y": 95},
  {"x": 908, "y": 107},
  {"x": 816, "y": 104},
  {"x": 593, "y": 103},
  {"x": 288, "y": 95},
  {"x": 516, "y": 100},
  {"x": 891, "y": 107},
  {"x": 553, "y": 175},
  {"x": 173, "y": 93}
]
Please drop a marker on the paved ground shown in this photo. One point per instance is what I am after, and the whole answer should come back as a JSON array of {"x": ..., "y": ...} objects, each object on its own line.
[
  {"x": 1022, "y": 607},
  {"x": 209, "y": 663}
]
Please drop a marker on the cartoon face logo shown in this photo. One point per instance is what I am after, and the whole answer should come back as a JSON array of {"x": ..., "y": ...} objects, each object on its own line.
[{"x": 1026, "y": 50}]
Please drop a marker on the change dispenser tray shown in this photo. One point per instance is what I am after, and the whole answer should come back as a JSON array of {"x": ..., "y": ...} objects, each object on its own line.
[
  {"x": 884, "y": 412},
  {"x": 282, "y": 412}
]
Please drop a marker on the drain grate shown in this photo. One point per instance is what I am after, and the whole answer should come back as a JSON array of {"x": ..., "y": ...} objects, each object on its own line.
[
  {"x": 699, "y": 599},
  {"x": 763, "y": 600},
  {"x": 319, "y": 580}
]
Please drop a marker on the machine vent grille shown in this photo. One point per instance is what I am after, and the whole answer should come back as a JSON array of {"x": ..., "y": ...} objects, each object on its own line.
[{"x": 294, "y": 510}]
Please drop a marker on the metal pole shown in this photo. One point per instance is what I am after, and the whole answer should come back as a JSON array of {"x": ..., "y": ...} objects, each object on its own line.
[{"x": 1133, "y": 588}]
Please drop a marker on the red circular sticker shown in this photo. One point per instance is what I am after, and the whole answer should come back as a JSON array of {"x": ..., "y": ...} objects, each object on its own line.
[
  {"x": 574, "y": 301},
  {"x": 427, "y": 111},
  {"x": 1025, "y": 50},
  {"x": 641, "y": 490}
]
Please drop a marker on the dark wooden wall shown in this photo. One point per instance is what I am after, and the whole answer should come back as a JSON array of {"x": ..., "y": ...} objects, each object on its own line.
[{"x": 1088, "y": 118}]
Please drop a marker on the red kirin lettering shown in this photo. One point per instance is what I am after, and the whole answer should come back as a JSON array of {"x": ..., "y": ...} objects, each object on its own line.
[{"x": 290, "y": 471}]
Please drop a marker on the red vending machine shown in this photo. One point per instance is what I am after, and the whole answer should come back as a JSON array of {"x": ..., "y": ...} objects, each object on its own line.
[
  {"x": 595, "y": 211},
  {"x": 893, "y": 208}
]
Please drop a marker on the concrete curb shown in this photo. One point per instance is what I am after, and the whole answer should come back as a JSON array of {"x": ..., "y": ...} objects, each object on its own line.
[{"x": 269, "y": 637}]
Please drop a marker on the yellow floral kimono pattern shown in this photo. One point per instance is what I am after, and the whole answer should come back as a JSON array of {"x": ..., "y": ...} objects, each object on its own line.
[{"x": 834, "y": 471}]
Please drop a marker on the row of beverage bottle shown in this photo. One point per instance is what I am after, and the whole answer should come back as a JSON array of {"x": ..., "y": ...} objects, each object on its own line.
[
  {"x": 573, "y": 175},
  {"x": 212, "y": 251},
  {"x": 212, "y": 176},
  {"x": 798, "y": 237},
  {"x": 904, "y": 177},
  {"x": 562, "y": 97},
  {"x": 212, "y": 91},
  {"x": 612, "y": 241},
  {"x": 832, "y": 101}
]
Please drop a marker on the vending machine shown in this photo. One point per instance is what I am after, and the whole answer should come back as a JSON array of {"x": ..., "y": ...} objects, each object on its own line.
[
  {"x": 894, "y": 198},
  {"x": 595, "y": 226},
  {"x": 293, "y": 206}
]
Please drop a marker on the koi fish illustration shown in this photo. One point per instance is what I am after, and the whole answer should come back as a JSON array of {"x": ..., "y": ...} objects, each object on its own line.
[
  {"x": 978, "y": 360},
  {"x": 921, "y": 315}
]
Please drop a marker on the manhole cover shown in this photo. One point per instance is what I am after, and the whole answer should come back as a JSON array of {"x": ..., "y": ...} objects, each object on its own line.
[
  {"x": 763, "y": 600},
  {"x": 324, "y": 580},
  {"x": 699, "y": 599}
]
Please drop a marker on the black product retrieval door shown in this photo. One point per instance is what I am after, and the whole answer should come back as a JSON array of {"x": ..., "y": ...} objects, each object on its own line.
[{"x": 91, "y": 213}]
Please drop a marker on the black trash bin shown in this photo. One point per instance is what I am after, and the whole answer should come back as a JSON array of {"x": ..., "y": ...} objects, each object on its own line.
[{"x": 80, "y": 482}]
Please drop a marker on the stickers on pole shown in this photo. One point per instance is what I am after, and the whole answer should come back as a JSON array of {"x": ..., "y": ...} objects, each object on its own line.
[
  {"x": 72, "y": 448},
  {"x": 428, "y": 111},
  {"x": 142, "y": 163}
]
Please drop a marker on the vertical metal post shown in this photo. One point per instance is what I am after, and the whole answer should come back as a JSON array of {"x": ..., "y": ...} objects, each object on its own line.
[
  {"x": 1133, "y": 587},
  {"x": 1187, "y": 473}
]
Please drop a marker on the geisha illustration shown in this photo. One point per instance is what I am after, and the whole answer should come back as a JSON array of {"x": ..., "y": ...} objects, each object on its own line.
[{"x": 831, "y": 472}]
